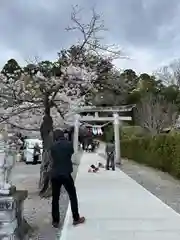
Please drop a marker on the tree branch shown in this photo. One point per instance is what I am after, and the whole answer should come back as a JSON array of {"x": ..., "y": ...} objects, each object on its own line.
[
  {"x": 88, "y": 32},
  {"x": 23, "y": 128},
  {"x": 13, "y": 113}
]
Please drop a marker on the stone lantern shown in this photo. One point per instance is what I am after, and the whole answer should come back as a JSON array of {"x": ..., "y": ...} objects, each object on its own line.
[
  {"x": 7, "y": 162},
  {"x": 12, "y": 223}
]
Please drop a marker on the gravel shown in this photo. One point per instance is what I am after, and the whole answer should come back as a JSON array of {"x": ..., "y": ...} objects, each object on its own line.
[{"x": 161, "y": 184}]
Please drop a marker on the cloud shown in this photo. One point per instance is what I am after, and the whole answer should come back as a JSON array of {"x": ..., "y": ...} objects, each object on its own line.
[{"x": 147, "y": 30}]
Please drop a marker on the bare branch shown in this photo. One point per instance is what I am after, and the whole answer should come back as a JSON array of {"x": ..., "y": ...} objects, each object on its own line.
[
  {"x": 34, "y": 60},
  {"x": 23, "y": 128},
  {"x": 154, "y": 114},
  {"x": 170, "y": 74},
  {"x": 91, "y": 39}
]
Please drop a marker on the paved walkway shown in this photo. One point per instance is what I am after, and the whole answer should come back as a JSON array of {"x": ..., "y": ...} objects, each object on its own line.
[{"x": 116, "y": 207}]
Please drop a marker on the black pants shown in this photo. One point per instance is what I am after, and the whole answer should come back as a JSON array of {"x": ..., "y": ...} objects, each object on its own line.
[
  {"x": 83, "y": 145},
  {"x": 35, "y": 159},
  {"x": 110, "y": 161},
  {"x": 68, "y": 183}
]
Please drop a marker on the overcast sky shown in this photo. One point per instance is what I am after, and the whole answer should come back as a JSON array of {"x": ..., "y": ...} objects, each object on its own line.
[{"x": 147, "y": 30}]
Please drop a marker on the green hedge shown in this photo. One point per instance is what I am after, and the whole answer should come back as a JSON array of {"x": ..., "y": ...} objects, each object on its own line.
[
  {"x": 108, "y": 133},
  {"x": 160, "y": 151},
  {"x": 126, "y": 132}
]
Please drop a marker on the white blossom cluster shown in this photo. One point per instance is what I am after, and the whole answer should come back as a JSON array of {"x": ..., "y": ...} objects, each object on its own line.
[{"x": 21, "y": 100}]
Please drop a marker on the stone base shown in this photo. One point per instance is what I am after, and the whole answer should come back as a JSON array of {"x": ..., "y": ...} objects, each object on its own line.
[{"x": 12, "y": 223}]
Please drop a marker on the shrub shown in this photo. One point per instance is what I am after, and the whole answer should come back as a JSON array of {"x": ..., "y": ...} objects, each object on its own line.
[
  {"x": 126, "y": 132},
  {"x": 161, "y": 151}
]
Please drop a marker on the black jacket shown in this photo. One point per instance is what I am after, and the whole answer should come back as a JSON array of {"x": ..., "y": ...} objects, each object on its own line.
[
  {"x": 37, "y": 151},
  {"x": 61, "y": 153}
]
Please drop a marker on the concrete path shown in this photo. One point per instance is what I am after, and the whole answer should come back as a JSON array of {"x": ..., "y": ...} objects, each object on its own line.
[{"x": 116, "y": 207}]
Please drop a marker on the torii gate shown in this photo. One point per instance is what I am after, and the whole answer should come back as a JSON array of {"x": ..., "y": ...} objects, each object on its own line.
[{"x": 116, "y": 119}]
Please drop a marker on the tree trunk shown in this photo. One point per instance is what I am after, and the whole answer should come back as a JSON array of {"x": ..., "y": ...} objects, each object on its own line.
[
  {"x": 46, "y": 131},
  {"x": 44, "y": 182}
]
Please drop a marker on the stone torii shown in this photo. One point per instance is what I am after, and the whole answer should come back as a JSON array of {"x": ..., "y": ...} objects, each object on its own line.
[{"x": 116, "y": 119}]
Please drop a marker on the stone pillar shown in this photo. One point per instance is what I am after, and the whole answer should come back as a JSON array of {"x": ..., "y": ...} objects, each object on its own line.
[
  {"x": 117, "y": 138},
  {"x": 96, "y": 115},
  {"x": 76, "y": 134}
]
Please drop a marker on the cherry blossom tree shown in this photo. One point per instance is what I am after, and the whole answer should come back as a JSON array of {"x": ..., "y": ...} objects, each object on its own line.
[
  {"x": 46, "y": 96},
  {"x": 23, "y": 101}
]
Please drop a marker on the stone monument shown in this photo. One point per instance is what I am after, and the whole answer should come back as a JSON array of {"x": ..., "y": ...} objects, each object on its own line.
[
  {"x": 12, "y": 222},
  {"x": 7, "y": 162}
]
